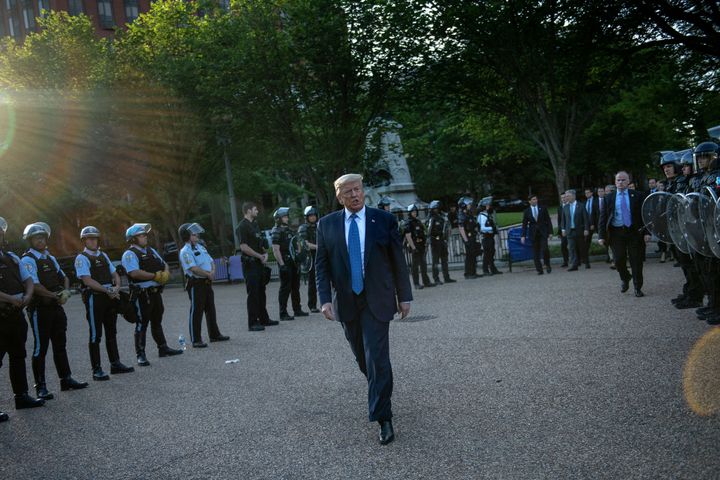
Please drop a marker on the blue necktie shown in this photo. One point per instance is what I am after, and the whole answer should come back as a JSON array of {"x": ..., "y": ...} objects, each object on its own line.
[
  {"x": 572, "y": 216},
  {"x": 625, "y": 210},
  {"x": 355, "y": 256}
]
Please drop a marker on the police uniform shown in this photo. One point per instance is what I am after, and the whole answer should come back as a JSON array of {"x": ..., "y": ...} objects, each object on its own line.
[
  {"x": 469, "y": 224},
  {"x": 200, "y": 291},
  {"x": 100, "y": 310},
  {"x": 415, "y": 228},
  {"x": 13, "y": 329},
  {"x": 308, "y": 233},
  {"x": 488, "y": 231},
  {"x": 147, "y": 296},
  {"x": 289, "y": 273},
  {"x": 254, "y": 272},
  {"x": 48, "y": 321},
  {"x": 438, "y": 228}
]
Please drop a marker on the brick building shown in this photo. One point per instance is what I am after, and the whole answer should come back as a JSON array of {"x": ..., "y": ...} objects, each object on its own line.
[{"x": 17, "y": 17}]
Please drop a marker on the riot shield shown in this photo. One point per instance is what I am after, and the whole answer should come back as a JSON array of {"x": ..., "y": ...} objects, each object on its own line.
[
  {"x": 655, "y": 215},
  {"x": 675, "y": 224},
  {"x": 694, "y": 231},
  {"x": 707, "y": 218}
]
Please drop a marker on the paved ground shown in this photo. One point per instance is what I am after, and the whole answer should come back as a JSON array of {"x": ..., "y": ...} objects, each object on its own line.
[{"x": 515, "y": 376}]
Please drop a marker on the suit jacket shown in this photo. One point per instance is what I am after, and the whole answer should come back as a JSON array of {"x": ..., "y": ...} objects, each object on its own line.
[
  {"x": 543, "y": 225},
  {"x": 608, "y": 214},
  {"x": 386, "y": 277},
  {"x": 559, "y": 217},
  {"x": 594, "y": 211},
  {"x": 582, "y": 220}
]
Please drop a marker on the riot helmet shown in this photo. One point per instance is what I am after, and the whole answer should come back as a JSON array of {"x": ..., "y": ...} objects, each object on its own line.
[
  {"x": 137, "y": 229},
  {"x": 707, "y": 151},
  {"x": 668, "y": 157},
  {"x": 188, "y": 229},
  {"x": 89, "y": 232},
  {"x": 383, "y": 202},
  {"x": 465, "y": 202},
  {"x": 279, "y": 213},
  {"x": 435, "y": 205},
  {"x": 310, "y": 210},
  {"x": 714, "y": 132},
  {"x": 34, "y": 229}
]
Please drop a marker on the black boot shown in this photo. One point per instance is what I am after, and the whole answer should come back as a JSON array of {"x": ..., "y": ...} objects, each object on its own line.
[
  {"x": 38, "y": 368},
  {"x": 118, "y": 367},
  {"x": 24, "y": 400},
  {"x": 4, "y": 417},
  {"x": 97, "y": 371},
  {"x": 69, "y": 383},
  {"x": 449, "y": 280},
  {"x": 165, "y": 351},
  {"x": 140, "y": 349}
]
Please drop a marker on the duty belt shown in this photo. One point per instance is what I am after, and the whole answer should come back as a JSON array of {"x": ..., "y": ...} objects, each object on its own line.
[{"x": 147, "y": 289}]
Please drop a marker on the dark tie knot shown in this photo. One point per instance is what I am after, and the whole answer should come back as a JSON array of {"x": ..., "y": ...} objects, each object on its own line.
[{"x": 353, "y": 216}]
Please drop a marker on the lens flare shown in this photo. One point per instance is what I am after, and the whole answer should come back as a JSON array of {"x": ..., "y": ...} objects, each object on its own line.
[
  {"x": 701, "y": 382},
  {"x": 7, "y": 124}
]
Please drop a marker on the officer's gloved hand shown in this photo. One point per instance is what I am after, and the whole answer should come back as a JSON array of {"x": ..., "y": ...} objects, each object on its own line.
[
  {"x": 63, "y": 296},
  {"x": 161, "y": 277},
  {"x": 166, "y": 277}
]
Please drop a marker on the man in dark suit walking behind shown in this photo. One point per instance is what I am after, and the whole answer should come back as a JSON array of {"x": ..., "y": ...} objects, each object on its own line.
[
  {"x": 576, "y": 227},
  {"x": 362, "y": 281},
  {"x": 621, "y": 226},
  {"x": 592, "y": 206},
  {"x": 538, "y": 227}
]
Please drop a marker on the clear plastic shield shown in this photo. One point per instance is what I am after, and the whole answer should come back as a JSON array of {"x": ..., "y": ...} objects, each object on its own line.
[
  {"x": 694, "y": 231},
  {"x": 707, "y": 217},
  {"x": 655, "y": 215},
  {"x": 676, "y": 225}
]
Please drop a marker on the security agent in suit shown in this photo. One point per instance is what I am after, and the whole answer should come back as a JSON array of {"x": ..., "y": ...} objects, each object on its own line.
[
  {"x": 100, "y": 294},
  {"x": 488, "y": 230},
  {"x": 416, "y": 240},
  {"x": 622, "y": 227},
  {"x": 363, "y": 281},
  {"x": 575, "y": 227},
  {"x": 199, "y": 269},
  {"x": 563, "y": 239},
  {"x": 308, "y": 235},
  {"x": 16, "y": 291},
  {"x": 147, "y": 273},
  {"x": 593, "y": 210},
  {"x": 468, "y": 228},
  {"x": 537, "y": 226},
  {"x": 438, "y": 227},
  {"x": 257, "y": 275},
  {"x": 45, "y": 312},
  {"x": 282, "y": 235}
]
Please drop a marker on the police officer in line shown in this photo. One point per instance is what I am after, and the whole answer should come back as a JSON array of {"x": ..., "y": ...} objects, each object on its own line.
[
  {"x": 45, "y": 312},
  {"x": 706, "y": 158},
  {"x": 101, "y": 294},
  {"x": 416, "y": 241},
  {"x": 199, "y": 269},
  {"x": 282, "y": 236},
  {"x": 488, "y": 230},
  {"x": 147, "y": 273},
  {"x": 308, "y": 235},
  {"x": 468, "y": 227},
  {"x": 439, "y": 230},
  {"x": 16, "y": 291},
  {"x": 257, "y": 274},
  {"x": 384, "y": 204}
]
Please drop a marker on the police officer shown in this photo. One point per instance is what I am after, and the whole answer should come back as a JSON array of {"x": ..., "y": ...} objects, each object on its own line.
[
  {"x": 416, "y": 240},
  {"x": 468, "y": 227},
  {"x": 45, "y": 312},
  {"x": 199, "y": 269},
  {"x": 384, "y": 204},
  {"x": 488, "y": 229},
  {"x": 282, "y": 235},
  {"x": 101, "y": 294},
  {"x": 254, "y": 258},
  {"x": 308, "y": 235},
  {"x": 439, "y": 229},
  {"x": 147, "y": 273},
  {"x": 16, "y": 290}
]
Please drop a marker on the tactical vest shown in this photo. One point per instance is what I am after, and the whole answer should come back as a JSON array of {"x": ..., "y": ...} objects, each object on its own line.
[
  {"x": 417, "y": 231},
  {"x": 10, "y": 282},
  {"x": 99, "y": 268},
  {"x": 281, "y": 236},
  {"x": 48, "y": 275},
  {"x": 308, "y": 232},
  {"x": 469, "y": 224},
  {"x": 436, "y": 227},
  {"x": 148, "y": 262}
]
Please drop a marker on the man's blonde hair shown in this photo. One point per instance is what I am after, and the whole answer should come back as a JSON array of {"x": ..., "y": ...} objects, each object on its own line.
[{"x": 347, "y": 178}]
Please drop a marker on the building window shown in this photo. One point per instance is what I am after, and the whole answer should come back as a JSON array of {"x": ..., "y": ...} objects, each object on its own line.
[
  {"x": 10, "y": 4},
  {"x": 14, "y": 24},
  {"x": 43, "y": 5},
  {"x": 28, "y": 15},
  {"x": 132, "y": 10},
  {"x": 75, "y": 7},
  {"x": 105, "y": 14}
]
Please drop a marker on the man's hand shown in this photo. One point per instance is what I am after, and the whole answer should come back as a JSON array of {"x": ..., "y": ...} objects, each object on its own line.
[
  {"x": 211, "y": 276},
  {"x": 592, "y": 227},
  {"x": 404, "y": 309},
  {"x": 522, "y": 240},
  {"x": 63, "y": 296},
  {"x": 562, "y": 233},
  {"x": 586, "y": 233},
  {"x": 601, "y": 241},
  {"x": 16, "y": 302},
  {"x": 647, "y": 238},
  {"x": 25, "y": 301},
  {"x": 264, "y": 258},
  {"x": 327, "y": 310}
]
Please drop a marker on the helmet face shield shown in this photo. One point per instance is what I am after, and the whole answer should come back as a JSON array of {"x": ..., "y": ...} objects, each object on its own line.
[
  {"x": 195, "y": 228},
  {"x": 89, "y": 232},
  {"x": 3, "y": 225},
  {"x": 137, "y": 229},
  {"x": 37, "y": 228}
]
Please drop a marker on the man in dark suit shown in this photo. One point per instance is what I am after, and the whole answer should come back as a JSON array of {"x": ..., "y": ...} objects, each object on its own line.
[
  {"x": 537, "y": 226},
  {"x": 576, "y": 228},
  {"x": 563, "y": 239},
  {"x": 363, "y": 281},
  {"x": 592, "y": 207},
  {"x": 621, "y": 226}
]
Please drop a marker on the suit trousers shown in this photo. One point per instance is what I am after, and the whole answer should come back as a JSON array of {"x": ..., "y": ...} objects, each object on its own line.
[
  {"x": 49, "y": 323},
  {"x": 13, "y": 334},
  {"x": 627, "y": 244},
  {"x": 202, "y": 301},
  {"x": 368, "y": 338},
  {"x": 586, "y": 248},
  {"x": 541, "y": 252},
  {"x": 564, "y": 249}
]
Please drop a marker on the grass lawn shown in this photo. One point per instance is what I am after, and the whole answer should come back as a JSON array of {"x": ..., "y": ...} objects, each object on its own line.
[{"x": 506, "y": 219}]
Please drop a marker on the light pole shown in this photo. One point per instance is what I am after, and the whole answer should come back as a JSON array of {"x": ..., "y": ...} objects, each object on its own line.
[{"x": 224, "y": 141}]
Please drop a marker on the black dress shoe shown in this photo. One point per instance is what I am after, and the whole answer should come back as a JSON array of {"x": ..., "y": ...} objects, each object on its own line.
[
  {"x": 497, "y": 272},
  {"x": 118, "y": 367},
  {"x": 548, "y": 269},
  {"x": 387, "y": 434},
  {"x": 4, "y": 417},
  {"x": 704, "y": 310},
  {"x": 572, "y": 269},
  {"x": 450, "y": 280},
  {"x": 429, "y": 285},
  {"x": 165, "y": 351},
  {"x": 713, "y": 320},
  {"x": 270, "y": 323},
  {"x": 314, "y": 310},
  {"x": 300, "y": 313},
  {"x": 687, "y": 304},
  {"x": 142, "y": 360},
  {"x": 26, "y": 401},
  {"x": 99, "y": 375},
  {"x": 69, "y": 383},
  {"x": 624, "y": 286},
  {"x": 564, "y": 265},
  {"x": 419, "y": 287},
  {"x": 437, "y": 281},
  {"x": 42, "y": 392},
  {"x": 256, "y": 328},
  {"x": 540, "y": 272},
  {"x": 219, "y": 338},
  {"x": 199, "y": 345},
  {"x": 286, "y": 317},
  {"x": 639, "y": 293},
  {"x": 587, "y": 266}
]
